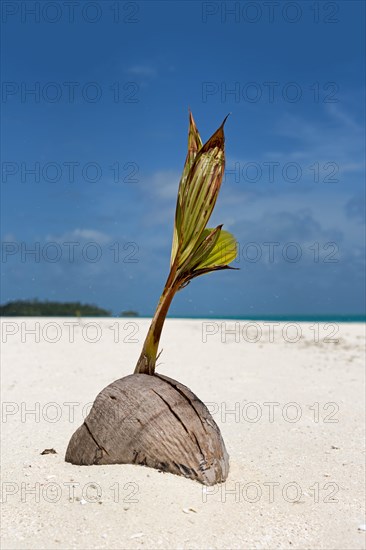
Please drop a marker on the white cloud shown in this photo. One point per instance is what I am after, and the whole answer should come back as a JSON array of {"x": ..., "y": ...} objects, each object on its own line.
[
  {"x": 337, "y": 138},
  {"x": 90, "y": 235},
  {"x": 9, "y": 237},
  {"x": 146, "y": 71},
  {"x": 164, "y": 184}
]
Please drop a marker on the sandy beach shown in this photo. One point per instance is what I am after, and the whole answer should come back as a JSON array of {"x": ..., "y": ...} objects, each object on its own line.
[{"x": 288, "y": 398}]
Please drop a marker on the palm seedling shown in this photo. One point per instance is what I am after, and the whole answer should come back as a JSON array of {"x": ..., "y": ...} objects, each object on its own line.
[{"x": 146, "y": 418}]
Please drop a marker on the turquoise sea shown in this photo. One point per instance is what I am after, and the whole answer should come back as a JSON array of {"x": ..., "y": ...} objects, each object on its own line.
[{"x": 285, "y": 318}]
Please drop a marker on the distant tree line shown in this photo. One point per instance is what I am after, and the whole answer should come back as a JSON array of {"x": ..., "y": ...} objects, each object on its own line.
[
  {"x": 129, "y": 313},
  {"x": 35, "y": 308}
]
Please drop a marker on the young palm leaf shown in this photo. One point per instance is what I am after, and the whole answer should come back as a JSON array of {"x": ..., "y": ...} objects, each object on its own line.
[
  {"x": 194, "y": 145},
  {"x": 196, "y": 250}
]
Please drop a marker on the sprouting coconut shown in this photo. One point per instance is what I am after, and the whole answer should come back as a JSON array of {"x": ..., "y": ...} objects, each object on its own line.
[{"x": 147, "y": 418}]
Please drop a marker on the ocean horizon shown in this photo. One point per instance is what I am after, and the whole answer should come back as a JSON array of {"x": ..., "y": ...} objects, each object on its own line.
[
  {"x": 297, "y": 318},
  {"x": 351, "y": 318}
]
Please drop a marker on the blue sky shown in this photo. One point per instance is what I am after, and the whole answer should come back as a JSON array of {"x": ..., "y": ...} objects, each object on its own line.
[{"x": 105, "y": 132}]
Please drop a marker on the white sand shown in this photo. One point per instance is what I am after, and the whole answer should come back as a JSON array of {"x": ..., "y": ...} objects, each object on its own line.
[{"x": 292, "y": 485}]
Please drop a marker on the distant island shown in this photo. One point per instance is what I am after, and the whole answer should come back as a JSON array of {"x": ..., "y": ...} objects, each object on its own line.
[
  {"x": 129, "y": 313},
  {"x": 37, "y": 308}
]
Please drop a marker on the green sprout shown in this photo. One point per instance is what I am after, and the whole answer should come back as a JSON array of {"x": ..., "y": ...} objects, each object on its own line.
[{"x": 196, "y": 249}]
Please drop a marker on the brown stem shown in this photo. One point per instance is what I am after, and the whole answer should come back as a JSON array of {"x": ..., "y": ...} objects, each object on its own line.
[{"x": 147, "y": 359}]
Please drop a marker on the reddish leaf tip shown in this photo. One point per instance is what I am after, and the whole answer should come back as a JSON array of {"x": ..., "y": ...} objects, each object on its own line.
[{"x": 225, "y": 119}]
